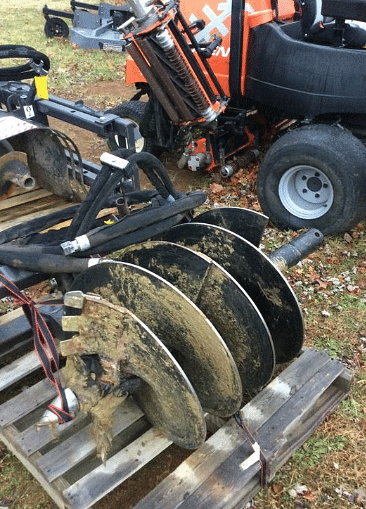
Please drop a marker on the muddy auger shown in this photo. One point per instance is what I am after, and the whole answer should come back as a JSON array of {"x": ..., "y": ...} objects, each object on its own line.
[{"x": 186, "y": 316}]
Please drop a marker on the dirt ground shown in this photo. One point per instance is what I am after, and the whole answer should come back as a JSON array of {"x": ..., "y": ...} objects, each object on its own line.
[{"x": 104, "y": 95}]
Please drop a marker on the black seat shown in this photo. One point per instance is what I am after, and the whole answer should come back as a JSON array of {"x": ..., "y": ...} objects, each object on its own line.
[
  {"x": 324, "y": 22},
  {"x": 345, "y": 9}
]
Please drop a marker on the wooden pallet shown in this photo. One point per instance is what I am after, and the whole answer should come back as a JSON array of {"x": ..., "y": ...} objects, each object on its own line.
[
  {"x": 23, "y": 206},
  {"x": 220, "y": 474}
]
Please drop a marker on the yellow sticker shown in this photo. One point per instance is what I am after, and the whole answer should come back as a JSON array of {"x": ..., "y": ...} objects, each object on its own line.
[{"x": 41, "y": 86}]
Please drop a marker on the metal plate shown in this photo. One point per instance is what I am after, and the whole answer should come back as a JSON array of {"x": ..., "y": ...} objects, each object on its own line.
[
  {"x": 178, "y": 323},
  {"x": 221, "y": 299},
  {"x": 263, "y": 282},
  {"x": 166, "y": 395},
  {"x": 249, "y": 224}
]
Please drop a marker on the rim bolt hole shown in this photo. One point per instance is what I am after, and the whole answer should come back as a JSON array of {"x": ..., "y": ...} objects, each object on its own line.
[
  {"x": 304, "y": 190},
  {"x": 317, "y": 195}
]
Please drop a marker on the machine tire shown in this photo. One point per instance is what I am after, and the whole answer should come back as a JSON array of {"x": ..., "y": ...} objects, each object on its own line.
[
  {"x": 56, "y": 27},
  {"x": 324, "y": 163},
  {"x": 130, "y": 110}
]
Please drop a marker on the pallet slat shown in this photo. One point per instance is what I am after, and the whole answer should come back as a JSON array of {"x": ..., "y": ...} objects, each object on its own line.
[
  {"x": 15, "y": 371},
  {"x": 220, "y": 446},
  {"x": 82, "y": 444},
  {"x": 27, "y": 401},
  {"x": 121, "y": 466},
  {"x": 270, "y": 416},
  {"x": 215, "y": 476},
  {"x": 33, "y": 439},
  {"x": 232, "y": 486},
  {"x": 25, "y": 205},
  {"x": 41, "y": 211},
  {"x": 21, "y": 199}
]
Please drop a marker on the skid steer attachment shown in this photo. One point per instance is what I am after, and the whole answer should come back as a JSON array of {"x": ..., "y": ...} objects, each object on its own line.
[
  {"x": 31, "y": 153},
  {"x": 226, "y": 337}
]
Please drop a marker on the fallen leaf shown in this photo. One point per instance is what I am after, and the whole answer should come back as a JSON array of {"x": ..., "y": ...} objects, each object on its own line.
[
  {"x": 277, "y": 488},
  {"x": 310, "y": 496},
  {"x": 347, "y": 237},
  {"x": 216, "y": 188},
  {"x": 323, "y": 284}
]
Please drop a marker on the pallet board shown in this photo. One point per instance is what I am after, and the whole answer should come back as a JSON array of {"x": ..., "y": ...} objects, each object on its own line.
[
  {"x": 217, "y": 475},
  {"x": 25, "y": 206}
]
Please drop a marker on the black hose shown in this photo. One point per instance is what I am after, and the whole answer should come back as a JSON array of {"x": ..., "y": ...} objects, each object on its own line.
[
  {"x": 125, "y": 153},
  {"x": 139, "y": 235},
  {"x": 148, "y": 163},
  {"x": 137, "y": 227},
  {"x": 142, "y": 196},
  {"x": 28, "y": 233},
  {"x": 23, "y": 258},
  {"x": 143, "y": 218},
  {"x": 32, "y": 249},
  {"x": 89, "y": 216},
  {"x": 98, "y": 195},
  {"x": 24, "y": 71},
  {"x": 88, "y": 206}
]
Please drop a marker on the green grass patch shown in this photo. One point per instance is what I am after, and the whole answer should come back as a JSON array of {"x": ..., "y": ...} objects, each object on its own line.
[
  {"x": 316, "y": 447},
  {"x": 334, "y": 348},
  {"x": 72, "y": 69}
]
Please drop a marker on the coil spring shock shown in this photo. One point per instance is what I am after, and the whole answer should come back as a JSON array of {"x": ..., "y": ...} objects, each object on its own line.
[{"x": 166, "y": 42}]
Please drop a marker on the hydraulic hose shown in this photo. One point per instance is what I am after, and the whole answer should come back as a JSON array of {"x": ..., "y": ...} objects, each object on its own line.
[
  {"x": 39, "y": 258},
  {"x": 99, "y": 192},
  {"x": 138, "y": 226},
  {"x": 150, "y": 165},
  {"x": 23, "y": 71},
  {"x": 35, "y": 225},
  {"x": 139, "y": 235},
  {"x": 88, "y": 205},
  {"x": 23, "y": 258},
  {"x": 28, "y": 233},
  {"x": 91, "y": 242}
]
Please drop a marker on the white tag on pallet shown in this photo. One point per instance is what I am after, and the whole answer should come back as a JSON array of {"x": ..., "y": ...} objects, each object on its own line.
[{"x": 253, "y": 458}]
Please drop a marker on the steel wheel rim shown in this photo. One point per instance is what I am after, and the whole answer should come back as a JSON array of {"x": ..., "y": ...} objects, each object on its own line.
[{"x": 306, "y": 192}]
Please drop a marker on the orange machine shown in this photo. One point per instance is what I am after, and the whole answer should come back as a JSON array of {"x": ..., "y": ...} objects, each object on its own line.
[{"x": 224, "y": 78}]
